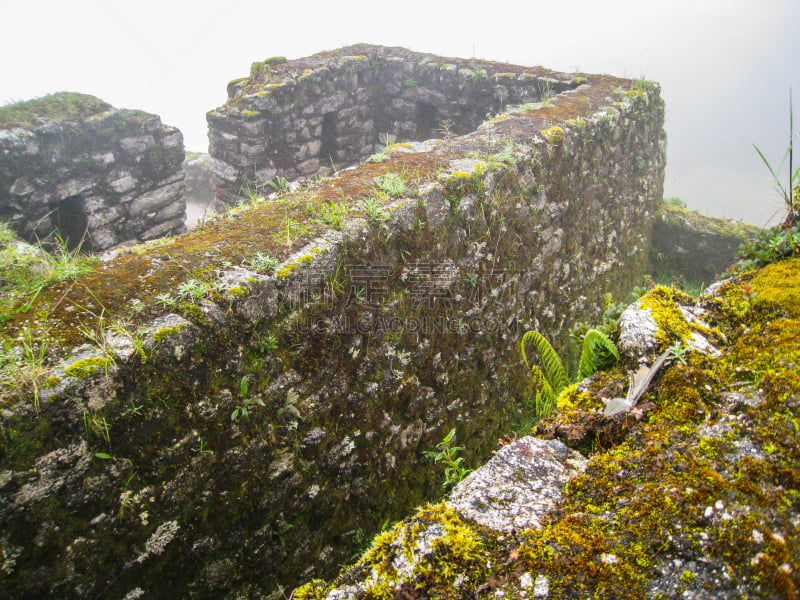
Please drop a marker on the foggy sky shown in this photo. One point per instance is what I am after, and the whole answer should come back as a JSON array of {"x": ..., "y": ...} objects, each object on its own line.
[{"x": 725, "y": 66}]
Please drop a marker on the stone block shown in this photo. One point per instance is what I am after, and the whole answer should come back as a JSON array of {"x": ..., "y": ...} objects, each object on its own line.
[{"x": 136, "y": 145}]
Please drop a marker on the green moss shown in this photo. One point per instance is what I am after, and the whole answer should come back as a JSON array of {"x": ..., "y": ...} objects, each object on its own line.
[{"x": 87, "y": 367}]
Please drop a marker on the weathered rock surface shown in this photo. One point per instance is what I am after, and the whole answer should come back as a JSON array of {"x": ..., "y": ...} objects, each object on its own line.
[
  {"x": 253, "y": 388},
  {"x": 696, "y": 498},
  {"x": 519, "y": 486},
  {"x": 95, "y": 176}
]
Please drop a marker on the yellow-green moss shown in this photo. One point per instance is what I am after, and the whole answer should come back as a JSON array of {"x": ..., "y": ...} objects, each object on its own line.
[
  {"x": 553, "y": 135},
  {"x": 777, "y": 288},
  {"x": 87, "y": 367},
  {"x": 164, "y": 332},
  {"x": 237, "y": 290}
]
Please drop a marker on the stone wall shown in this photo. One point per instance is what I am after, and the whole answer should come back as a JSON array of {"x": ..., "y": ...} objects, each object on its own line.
[
  {"x": 274, "y": 379},
  {"x": 319, "y": 114},
  {"x": 97, "y": 178}
]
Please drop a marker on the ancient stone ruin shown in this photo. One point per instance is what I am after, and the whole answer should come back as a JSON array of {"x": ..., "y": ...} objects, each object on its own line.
[
  {"x": 316, "y": 115},
  {"x": 274, "y": 374},
  {"x": 74, "y": 167}
]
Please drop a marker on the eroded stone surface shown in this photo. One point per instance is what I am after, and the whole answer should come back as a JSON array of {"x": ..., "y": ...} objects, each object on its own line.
[{"x": 519, "y": 486}]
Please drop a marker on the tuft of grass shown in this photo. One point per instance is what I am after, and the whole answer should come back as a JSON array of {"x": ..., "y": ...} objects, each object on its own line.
[
  {"x": 26, "y": 270},
  {"x": 791, "y": 192}
]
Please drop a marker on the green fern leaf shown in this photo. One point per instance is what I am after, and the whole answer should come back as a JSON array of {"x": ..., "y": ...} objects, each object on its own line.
[
  {"x": 545, "y": 398},
  {"x": 598, "y": 352},
  {"x": 551, "y": 365}
]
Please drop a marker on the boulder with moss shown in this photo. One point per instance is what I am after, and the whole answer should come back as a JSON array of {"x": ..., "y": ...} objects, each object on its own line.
[
  {"x": 694, "y": 493},
  {"x": 76, "y": 168}
]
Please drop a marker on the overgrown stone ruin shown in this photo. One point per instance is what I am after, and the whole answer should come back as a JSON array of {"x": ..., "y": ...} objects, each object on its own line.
[
  {"x": 74, "y": 167},
  {"x": 273, "y": 373},
  {"x": 313, "y": 116}
]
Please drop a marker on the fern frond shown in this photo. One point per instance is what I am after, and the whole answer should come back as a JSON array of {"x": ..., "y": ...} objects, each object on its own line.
[
  {"x": 598, "y": 352},
  {"x": 545, "y": 399},
  {"x": 551, "y": 365}
]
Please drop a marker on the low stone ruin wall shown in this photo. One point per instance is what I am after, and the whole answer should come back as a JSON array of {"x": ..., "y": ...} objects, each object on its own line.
[
  {"x": 694, "y": 247},
  {"x": 319, "y": 114},
  {"x": 98, "y": 178},
  {"x": 272, "y": 381}
]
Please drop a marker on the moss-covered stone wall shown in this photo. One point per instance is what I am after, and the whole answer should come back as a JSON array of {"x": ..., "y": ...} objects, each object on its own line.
[
  {"x": 322, "y": 113},
  {"x": 73, "y": 166},
  {"x": 220, "y": 414}
]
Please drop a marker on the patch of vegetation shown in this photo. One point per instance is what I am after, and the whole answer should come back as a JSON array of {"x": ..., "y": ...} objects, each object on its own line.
[
  {"x": 26, "y": 270},
  {"x": 392, "y": 184},
  {"x": 61, "y": 106},
  {"x": 771, "y": 245}
]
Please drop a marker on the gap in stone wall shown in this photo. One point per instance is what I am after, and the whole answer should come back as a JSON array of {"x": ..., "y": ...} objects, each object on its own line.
[{"x": 72, "y": 223}]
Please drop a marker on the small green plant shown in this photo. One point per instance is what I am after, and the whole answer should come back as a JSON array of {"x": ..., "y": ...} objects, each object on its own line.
[
  {"x": 447, "y": 453},
  {"x": 26, "y": 270},
  {"x": 167, "y": 300},
  {"x": 378, "y": 157},
  {"x": 242, "y": 412},
  {"x": 265, "y": 343},
  {"x": 506, "y": 155},
  {"x": 262, "y": 262},
  {"x": 23, "y": 366},
  {"x": 332, "y": 214},
  {"x": 279, "y": 184},
  {"x": 545, "y": 90},
  {"x": 550, "y": 378},
  {"x": 373, "y": 209},
  {"x": 789, "y": 193},
  {"x": 291, "y": 230},
  {"x": 392, "y": 184},
  {"x": 289, "y": 413},
  {"x": 97, "y": 425},
  {"x": 608, "y": 320},
  {"x": 193, "y": 289},
  {"x": 598, "y": 353}
]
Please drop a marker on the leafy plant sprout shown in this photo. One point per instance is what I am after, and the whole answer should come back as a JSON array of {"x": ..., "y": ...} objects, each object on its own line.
[
  {"x": 791, "y": 192},
  {"x": 447, "y": 453},
  {"x": 245, "y": 402}
]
